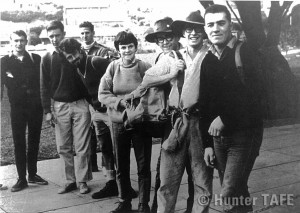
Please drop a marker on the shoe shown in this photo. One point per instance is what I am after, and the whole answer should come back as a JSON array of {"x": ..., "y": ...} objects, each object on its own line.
[
  {"x": 110, "y": 189},
  {"x": 133, "y": 193},
  {"x": 20, "y": 185},
  {"x": 123, "y": 207},
  {"x": 37, "y": 179},
  {"x": 143, "y": 208},
  {"x": 67, "y": 188},
  {"x": 83, "y": 188}
]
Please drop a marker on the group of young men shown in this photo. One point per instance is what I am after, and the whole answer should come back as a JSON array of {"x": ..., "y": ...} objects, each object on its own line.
[{"x": 220, "y": 107}]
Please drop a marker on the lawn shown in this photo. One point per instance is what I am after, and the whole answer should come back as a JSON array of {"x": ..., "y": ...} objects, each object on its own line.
[{"x": 47, "y": 144}]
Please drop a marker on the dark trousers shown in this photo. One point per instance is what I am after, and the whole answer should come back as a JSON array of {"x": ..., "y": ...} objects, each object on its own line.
[
  {"x": 30, "y": 116},
  {"x": 236, "y": 156},
  {"x": 142, "y": 144}
]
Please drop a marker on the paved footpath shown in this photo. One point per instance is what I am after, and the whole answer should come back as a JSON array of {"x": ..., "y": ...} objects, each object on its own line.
[{"x": 274, "y": 182}]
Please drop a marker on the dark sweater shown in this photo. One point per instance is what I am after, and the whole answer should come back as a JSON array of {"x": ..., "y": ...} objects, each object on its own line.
[
  {"x": 59, "y": 81},
  {"x": 21, "y": 78},
  {"x": 223, "y": 94},
  {"x": 91, "y": 74}
]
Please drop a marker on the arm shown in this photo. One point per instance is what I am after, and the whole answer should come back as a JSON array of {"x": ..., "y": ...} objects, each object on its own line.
[
  {"x": 164, "y": 71},
  {"x": 105, "y": 92},
  {"x": 45, "y": 83}
]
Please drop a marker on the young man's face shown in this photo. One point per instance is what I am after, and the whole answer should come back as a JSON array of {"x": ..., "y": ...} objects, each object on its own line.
[
  {"x": 56, "y": 36},
  {"x": 194, "y": 35},
  {"x": 167, "y": 42},
  {"x": 218, "y": 28},
  {"x": 74, "y": 58},
  {"x": 127, "y": 51},
  {"x": 87, "y": 36},
  {"x": 18, "y": 43}
]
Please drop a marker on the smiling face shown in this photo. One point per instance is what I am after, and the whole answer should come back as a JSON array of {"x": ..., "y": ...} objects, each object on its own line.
[
  {"x": 87, "y": 36},
  {"x": 74, "y": 58},
  {"x": 18, "y": 43},
  {"x": 167, "y": 42},
  {"x": 218, "y": 28},
  {"x": 127, "y": 52},
  {"x": 194, "y": 35},
  {"x": 56, "y": 36}
]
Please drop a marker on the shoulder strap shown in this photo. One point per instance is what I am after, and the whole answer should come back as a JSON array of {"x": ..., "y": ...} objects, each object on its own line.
[
  {"x": 238, "y": 62},
  {"x": 158, "y": 57}
]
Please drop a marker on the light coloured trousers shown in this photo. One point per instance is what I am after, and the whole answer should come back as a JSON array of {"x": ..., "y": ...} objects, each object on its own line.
[
  {"x": 172, "y": 168},
  {"x": 73, "y": 128}
]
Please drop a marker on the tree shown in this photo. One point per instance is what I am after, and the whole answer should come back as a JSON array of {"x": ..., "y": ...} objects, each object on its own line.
[{"x": 280, "y": 98}]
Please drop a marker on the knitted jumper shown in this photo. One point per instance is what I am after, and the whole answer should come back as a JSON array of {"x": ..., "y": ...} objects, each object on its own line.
[{"x": 118, "y": 81}]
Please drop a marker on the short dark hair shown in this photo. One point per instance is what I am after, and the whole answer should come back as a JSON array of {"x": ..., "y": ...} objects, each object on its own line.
[
  {"x": 69, "y": 45},
  {"x": 87, "y": 24},
  {"x": 217, "y": 8},
  {"x": 19, "y": 33},
  {"x": 53, "y": 25},
  {"x": 124, "y": 37}
]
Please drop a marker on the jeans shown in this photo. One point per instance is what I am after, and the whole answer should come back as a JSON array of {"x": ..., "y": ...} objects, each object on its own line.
[
  {"x": 73, "y": 128},
  {"x": 31, "y": 116},
  {"x": 235, "y": 156},
  {"x": 190, "y": 199},
  {"x": 172, "y": 168},
  {"x": 142, "y": 145},
  {"x": 101, "y": 123}
]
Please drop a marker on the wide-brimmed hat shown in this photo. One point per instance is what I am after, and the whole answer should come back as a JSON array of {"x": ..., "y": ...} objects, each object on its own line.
[
  {"x": 194, "y": 18},
  {"x": 160, "y": 26}
]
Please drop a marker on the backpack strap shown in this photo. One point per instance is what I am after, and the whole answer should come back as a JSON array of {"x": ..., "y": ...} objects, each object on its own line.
[{"x": 238, "y": 62}]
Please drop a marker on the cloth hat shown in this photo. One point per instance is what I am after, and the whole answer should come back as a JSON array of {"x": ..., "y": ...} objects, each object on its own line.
[
  {"x": 160, "y": 26},
  {"x": 193, "y": 18}
]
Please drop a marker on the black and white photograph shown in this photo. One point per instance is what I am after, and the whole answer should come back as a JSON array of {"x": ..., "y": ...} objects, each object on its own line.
[{"x": 148, "y": 106}]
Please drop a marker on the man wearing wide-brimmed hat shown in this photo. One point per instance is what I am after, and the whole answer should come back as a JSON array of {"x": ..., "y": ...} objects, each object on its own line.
[
  {"x": 168, "y": 39},
  {"x": 187, "y": 136}
]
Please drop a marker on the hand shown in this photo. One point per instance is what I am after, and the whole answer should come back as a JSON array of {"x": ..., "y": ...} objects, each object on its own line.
[
  {"x": 51, "y": 119},
  {"x": 209, "y": 157},
  {"x": 123, "y": 104},
  {"x": 180, "y": 64},
  {"x": 128, "y": 97},
  {"x": 216, "y": 127}
]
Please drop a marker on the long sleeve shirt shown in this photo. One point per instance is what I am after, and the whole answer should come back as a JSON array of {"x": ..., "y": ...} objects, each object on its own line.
[
  {"x": 222, "y": 93},
  {"x": 21, "y": 78},
  {"x": 59, "y": 81},
  {"x": 118, "y": 81}
]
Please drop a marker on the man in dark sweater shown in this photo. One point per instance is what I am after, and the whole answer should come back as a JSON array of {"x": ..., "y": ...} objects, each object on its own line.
[
  {"x": 68, "y": 110},
  {"x": 91, "y": 69},
  {"x": 231, "y": 111},
  {"x": 21, "y": 76},
  {"x": 100, "y": 131}
]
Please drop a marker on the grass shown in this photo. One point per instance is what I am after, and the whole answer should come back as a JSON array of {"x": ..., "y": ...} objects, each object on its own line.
[{"x": 47, "y": 142}]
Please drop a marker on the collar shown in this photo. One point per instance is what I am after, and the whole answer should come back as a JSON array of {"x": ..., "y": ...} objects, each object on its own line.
[
  {"x": 129, "y": 65},
  {"x": 230, "y": 45},
  {"x": 89, "y": 46}
]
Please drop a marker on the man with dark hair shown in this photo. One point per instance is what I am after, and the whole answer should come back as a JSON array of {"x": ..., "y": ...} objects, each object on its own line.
[
  {"x": 99, "y": 115},
  {"x": 230, "y": 108},
  {"x": 21, "y": 75},
  {"x": 68, "y": 110},
  {"x": 91, "y": 70}
]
